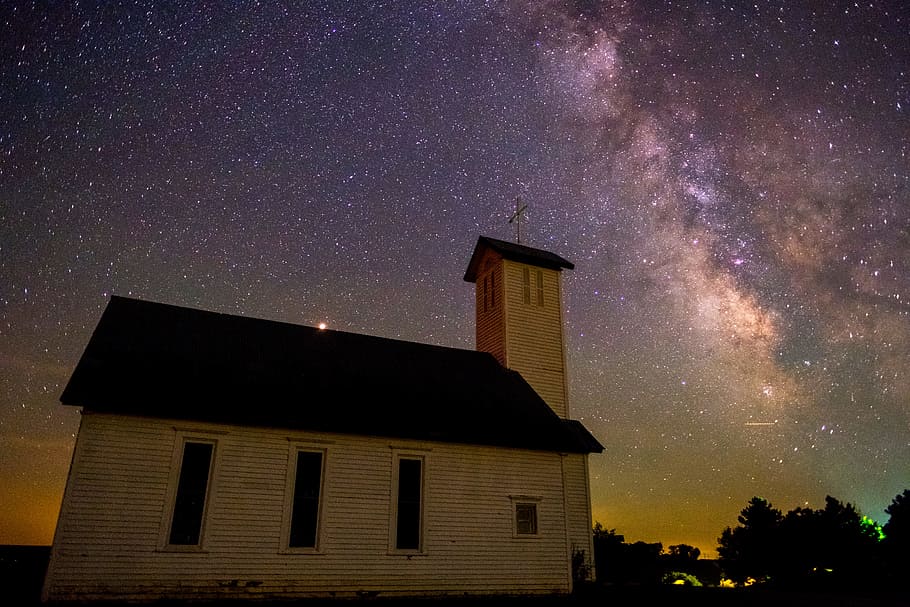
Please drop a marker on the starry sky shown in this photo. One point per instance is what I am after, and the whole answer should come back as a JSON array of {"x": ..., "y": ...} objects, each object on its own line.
[{"x": 731, "y": 180}]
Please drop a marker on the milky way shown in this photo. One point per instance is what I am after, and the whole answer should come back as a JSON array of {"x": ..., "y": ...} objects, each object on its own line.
[{"x": 731, "y": 181}]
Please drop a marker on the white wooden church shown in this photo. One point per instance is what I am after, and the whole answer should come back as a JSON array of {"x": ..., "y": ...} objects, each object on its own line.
[{"x": 228, "y": 457}]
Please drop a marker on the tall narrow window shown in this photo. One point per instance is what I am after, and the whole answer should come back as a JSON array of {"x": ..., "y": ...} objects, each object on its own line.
[
  {"x": 540, "y": 287},
  {"x": 305, "y": 505},
  {"x": 409, "y": 511},
  {"x": 526, "y": 283},
  {"x": 486, "y": 291},
  {"x": 492, "y": 289},
  {"x": 192, "y": 489}
]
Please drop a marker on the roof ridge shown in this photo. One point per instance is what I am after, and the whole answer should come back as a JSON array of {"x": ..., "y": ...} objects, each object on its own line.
[{"x": 173, "y": 362}]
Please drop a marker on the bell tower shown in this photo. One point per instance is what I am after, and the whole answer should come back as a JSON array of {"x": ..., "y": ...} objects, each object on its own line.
[{"x": 518, "y": 302}]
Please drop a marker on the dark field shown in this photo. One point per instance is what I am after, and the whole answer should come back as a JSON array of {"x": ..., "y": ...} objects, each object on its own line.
[{"x": 22, "y": 573}]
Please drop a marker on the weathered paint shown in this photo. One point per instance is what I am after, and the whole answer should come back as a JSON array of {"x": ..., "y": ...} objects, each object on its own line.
[{"x": 111, "y": 535}]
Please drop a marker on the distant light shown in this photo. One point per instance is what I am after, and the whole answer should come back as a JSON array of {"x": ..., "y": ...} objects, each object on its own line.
[{"x": 322, "y": 326}]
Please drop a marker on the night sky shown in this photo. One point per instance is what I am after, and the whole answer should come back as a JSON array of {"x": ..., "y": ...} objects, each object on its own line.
[{"x": 731, "y": 180}]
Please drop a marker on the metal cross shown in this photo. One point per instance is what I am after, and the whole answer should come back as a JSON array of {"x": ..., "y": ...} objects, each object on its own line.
[{"x": 516, "y": 218}]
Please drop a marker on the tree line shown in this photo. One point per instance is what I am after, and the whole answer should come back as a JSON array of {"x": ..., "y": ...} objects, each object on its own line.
[{"x": 835, "y": 546}]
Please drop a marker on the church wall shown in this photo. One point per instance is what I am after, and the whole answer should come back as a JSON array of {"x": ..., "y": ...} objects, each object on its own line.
[
  {"x": 111, "y": 536},
  {"x": 490, "y": 314},
  {"x": 578, "y": 507},
  {"x": 534, "y": 338}
]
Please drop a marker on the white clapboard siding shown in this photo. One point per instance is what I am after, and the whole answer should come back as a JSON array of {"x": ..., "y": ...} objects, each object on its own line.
[
  {"x": 109, "y": 541},
  {"x": 578, "y": 506},
  {"x": 533, "y": 333},
  {"x": 525, "y": 337},
  {"x": 490, "y": 315}
]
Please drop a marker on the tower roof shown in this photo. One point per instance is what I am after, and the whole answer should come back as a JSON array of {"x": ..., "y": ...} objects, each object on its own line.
[{"x": 514, "y": 252}]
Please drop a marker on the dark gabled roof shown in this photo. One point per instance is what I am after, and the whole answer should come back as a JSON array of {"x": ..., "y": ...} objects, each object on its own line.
[
  {"x": 515, "y": 252},
  {"x": 165, "y": 361}
]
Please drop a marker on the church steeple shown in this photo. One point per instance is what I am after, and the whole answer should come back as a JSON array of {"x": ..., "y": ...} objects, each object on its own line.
[{"x": 519, "y": 313}]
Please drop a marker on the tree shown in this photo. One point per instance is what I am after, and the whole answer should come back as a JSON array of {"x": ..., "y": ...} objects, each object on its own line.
[
  {"x": 681, "y": 557},
  {"x": 748, "y": 550},
  {"x": 897, "y": 529},
  {"x": 681, "y": 565},
  {"x": 619, "y": 563},
  {"x": 835, "y": 545},
  {"x": 849, "y": 545},
  {"x": 896, "y": 545},
  {"x": 800, "y": 536},
  {"x": 683, "y": 553},
  {"x": 607, "y": 553}
]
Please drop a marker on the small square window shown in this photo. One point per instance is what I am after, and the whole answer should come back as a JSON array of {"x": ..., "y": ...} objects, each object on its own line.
[{"x": 525, "y": 519}]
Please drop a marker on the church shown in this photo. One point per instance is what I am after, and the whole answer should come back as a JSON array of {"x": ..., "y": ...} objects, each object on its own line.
[{"x": 220, "y": 456}]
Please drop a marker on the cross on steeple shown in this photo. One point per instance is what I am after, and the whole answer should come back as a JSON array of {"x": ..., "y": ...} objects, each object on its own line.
[{"x": 516, "y": 218}]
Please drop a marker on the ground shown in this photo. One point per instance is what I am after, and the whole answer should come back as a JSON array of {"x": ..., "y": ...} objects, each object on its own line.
[{"x": 22, "y": 573}]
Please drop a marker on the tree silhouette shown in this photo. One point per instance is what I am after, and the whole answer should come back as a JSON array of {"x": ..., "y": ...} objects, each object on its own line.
[
  {"x": 896, "y": 545},
  {"x": 683, "y": 553},
  {"x": 897, "y": 529},
  {"x": 835, "y": 545},
  {"x": 681, "y": 564},
  {"x": 849, "y": 545},
  {"x": 801, "y": 537},
  {"x": 748, "y": 550},
  {"x": 619, "y": 563}
]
